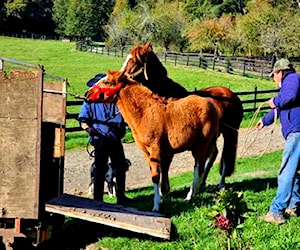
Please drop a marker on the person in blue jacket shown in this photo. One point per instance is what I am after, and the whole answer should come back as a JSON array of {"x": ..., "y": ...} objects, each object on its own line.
[
  {"x": 106, "y": 127},
  {"x": 287, "y": 105}
]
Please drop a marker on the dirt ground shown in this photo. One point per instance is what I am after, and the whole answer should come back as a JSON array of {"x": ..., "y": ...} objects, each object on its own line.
[{"x": 77, "y": 162}]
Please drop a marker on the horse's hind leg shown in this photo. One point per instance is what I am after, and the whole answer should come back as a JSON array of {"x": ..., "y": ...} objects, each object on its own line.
[
  {"x": 200, "y": 155},
  {"x": 209, "y": 163},
  {"x": 196, "y": 182}
]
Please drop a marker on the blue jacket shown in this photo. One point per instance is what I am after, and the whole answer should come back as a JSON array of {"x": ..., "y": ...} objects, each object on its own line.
[
  {"x": 105, "y": 118},
  {"x": 287, "y": 104}
]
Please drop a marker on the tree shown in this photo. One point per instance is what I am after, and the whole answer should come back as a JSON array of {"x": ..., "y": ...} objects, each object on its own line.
[
  {"x": 169, "y": 22},
  {"x": 205, "y": 9},
  {"x": 34, "y": 16},
  {"x": 60, "y": 8},
  {"x": 117, "y": 28},
  {"x": 266, "y": 29},
  {"x": 211, "y": 34},
  {"x": 80, "y": 18}
]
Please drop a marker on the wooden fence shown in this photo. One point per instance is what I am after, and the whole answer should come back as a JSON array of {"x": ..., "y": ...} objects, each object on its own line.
[
  {"x": 251, "y": 101},
  {"x": 258, "y": 68},
  {"x": 244, "y": 66}
]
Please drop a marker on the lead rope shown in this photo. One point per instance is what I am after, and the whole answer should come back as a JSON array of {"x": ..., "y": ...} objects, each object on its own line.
[{"x": 251, "y": 129}]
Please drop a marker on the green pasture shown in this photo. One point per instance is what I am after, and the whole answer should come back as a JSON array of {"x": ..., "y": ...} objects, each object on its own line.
[
  {"x": 62, "y": 59},
  {"x": 192, "y": 228}
]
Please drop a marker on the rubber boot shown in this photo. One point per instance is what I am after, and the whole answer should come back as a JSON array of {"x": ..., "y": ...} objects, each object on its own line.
[
  {"x": 99, "y": 178},
  {"x": 120, "y": 192}
]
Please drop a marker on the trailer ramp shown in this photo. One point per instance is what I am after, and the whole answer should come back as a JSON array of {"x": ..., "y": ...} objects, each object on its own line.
[{"x": 114, "y": 215}]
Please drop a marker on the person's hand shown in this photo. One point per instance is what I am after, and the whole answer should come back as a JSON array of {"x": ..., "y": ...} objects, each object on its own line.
[
  {"x": 260, "y": 124},
  {"x": 92, "y": 131},
  {"x": 271, "y": 103}
]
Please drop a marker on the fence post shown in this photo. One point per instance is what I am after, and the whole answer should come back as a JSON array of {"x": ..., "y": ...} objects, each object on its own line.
[
  {"x": 244, "y": 67},
  {"x": 199, "y": 61},
  {"x": 255, "y": 97},
  {"x": 175, "y": 62},
  {"x": 187, "y": 60},
  {"x": 214, "y": 61},
  {"x": 262, "y": 69}
]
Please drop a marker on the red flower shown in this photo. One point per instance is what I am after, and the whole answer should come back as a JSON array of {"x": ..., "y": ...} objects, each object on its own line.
[{"x": 224, "y": 223}]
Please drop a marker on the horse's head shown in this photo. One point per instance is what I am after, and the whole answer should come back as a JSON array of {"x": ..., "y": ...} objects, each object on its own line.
[
  {"x": 107, "y": 88},
  {"x": 135, "y": 63}
]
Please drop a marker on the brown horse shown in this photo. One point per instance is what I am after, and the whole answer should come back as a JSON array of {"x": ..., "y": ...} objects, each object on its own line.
[
  {"x": 161, "y": 127},
  {"x": 143, "y": 65}
]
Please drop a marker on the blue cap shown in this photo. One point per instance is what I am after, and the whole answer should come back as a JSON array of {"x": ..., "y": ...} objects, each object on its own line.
[{"x": 92, "y": 81}]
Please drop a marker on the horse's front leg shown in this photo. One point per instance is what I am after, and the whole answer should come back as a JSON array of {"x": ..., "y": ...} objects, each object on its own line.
[{"x": 155, "y": 168}]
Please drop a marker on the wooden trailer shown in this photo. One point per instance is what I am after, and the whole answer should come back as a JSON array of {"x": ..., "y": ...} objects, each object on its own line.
[{"x": 32, "y": 134}]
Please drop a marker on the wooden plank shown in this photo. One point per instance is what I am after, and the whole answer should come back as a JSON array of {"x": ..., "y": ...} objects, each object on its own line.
[
  {"x": 20, "y": 123},
  {"x": 114, "y": 215}
]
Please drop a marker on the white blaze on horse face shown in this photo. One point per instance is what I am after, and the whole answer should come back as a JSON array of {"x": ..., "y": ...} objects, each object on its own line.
[{"x": 126, "y": 61}]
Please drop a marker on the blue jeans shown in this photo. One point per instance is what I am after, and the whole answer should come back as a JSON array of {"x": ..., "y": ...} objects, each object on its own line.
[{"x": 288, "y": 195}]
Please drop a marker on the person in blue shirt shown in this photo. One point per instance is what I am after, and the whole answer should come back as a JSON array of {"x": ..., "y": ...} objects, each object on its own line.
[
  {"x": 106, "y": 127},
  {"x": 287, "y": 106}
]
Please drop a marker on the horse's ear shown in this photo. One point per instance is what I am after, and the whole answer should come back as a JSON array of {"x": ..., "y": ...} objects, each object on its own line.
[{"x": 148, "y": 46}]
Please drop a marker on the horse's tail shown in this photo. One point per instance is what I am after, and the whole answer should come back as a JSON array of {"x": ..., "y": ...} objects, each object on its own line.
[
  {"x": 229, "y": 129},
  {"x": 229, "y": 151}
]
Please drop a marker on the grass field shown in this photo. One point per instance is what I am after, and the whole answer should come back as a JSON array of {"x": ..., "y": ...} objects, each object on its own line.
[{"x": 192, "y": 228}]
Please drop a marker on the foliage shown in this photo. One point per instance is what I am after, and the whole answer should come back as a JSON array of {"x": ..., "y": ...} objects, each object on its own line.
[
  {"x": 81, "y": 19},
  {"x": 60, "y": 8},
  {"x": 228, "y": 214},
  {"x": 210, "y": 34},
  {"x": 162, "y": 24},
  {"x": 255, "y": 27},
  {"x": 207, "y": 9},
  {"x": 117, "y": 27},
  {"x": 169, "y": 22}
]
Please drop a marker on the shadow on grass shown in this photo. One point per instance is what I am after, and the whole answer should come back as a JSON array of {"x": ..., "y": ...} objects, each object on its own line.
[
  {"x": 174, "y": 204},
  {"x": 76, "y": 234}
]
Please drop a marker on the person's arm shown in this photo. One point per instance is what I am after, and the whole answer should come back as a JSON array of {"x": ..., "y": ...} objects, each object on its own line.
[
  {"x": 84, "y": 118},
  {"x": 288, "y": 93}
]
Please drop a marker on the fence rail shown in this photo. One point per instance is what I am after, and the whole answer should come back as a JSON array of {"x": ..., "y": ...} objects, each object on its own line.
[
  {"x": 244, "y": 66},
  {"x": 251, "y": 101}
]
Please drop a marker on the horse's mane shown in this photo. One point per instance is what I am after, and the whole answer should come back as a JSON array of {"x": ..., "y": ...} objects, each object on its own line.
[
  {"x": 156, "y": 73},
  {"x": 144, "y": 55}
]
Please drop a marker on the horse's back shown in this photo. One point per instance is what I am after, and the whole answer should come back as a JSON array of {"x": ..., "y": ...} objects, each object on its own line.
[
  {"x": 229, "y": 105},
  {"x": 191, "y": 119}
]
